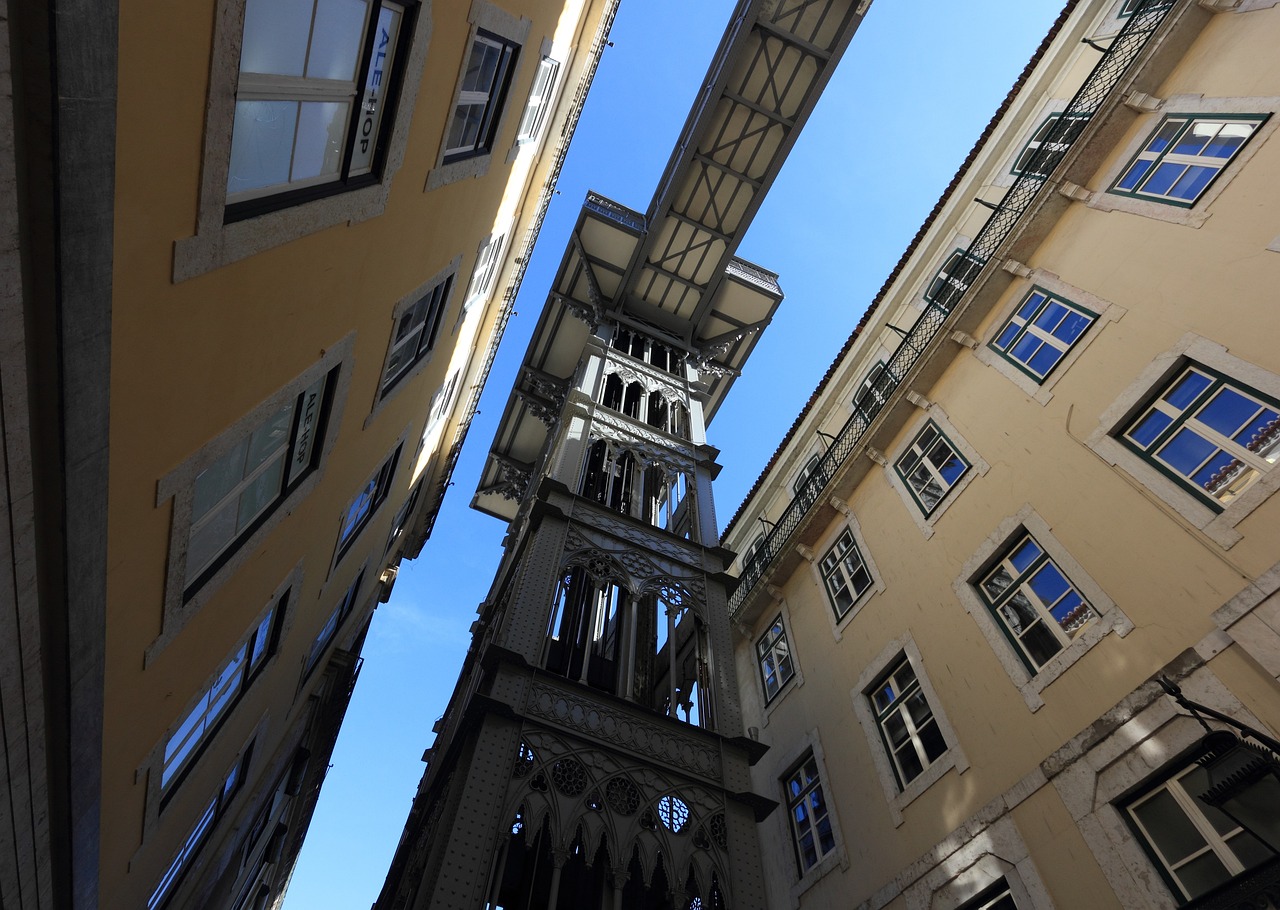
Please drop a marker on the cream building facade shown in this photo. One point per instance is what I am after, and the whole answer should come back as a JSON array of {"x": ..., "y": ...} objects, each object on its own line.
[
  {"x": 258, "y": 258},
  {"x": 1037, "y": 480}
]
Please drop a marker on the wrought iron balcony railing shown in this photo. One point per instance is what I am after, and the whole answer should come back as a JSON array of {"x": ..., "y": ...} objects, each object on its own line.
[{"x": 1097, "y": 88}]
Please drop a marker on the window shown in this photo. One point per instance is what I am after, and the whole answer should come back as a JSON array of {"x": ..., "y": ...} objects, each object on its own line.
[
  {"x": 953, "y": 279},
  {"x": 930, "y": 467},
  {"x": 361, "y": 509},
  {"x": 1195, "y": 846},
  {"x": 811, "y": 829},
  {"x": 318, "y": 82},
  {"x": 235, "y": 494},
  {"x": 1212, "y": 436},
  {"x": 1047, "y": 145},
  {"x": 805, "y": 491},
  {"x": 874, "y": 391},
  {"x": 415, "y": 334},
  {"x": 440, "y": 404},
  {"x": 481, "y": 96},
  {"x": 997, "y": 897},
  {"x": 345, "y": 607},
  {"x": 535, "y": 109},
  {"x": 213, "y": 811},
  {"x": 1041, "y": 332},
  {"x": 907, "y": 725},
  {"x": 844, "y": 573},
  {"x": 485, "y": 274},
  {"x": 402, "y": 517},
  {"x": 1036, "y": 604},
  {"x": 212, "y": 706},
  {"x": 1184, "y": 155},
  {"x": 776, "y": 669}
]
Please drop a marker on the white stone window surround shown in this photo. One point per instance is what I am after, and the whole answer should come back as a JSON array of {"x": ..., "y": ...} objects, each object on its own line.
[
  {"x": 216, "y": 244},
  {"x": 1251, "y": 620},
  {"x": 1042, "y": 392},
  {"x": 179, "y": 485},
  {"x": 769, "y": 705},
  {"x": 1110, "y": 617},
  {"x": 944, "y": 252},
  {"x": 491, "y": 18},
  {"x": 783, "y": 764},
  {"x": 977, "y": 466},
  {"x": 1219, "y": 527},
  {"x": 996, "y": 852},
  {"x": 405, "y": 303},
  {"x": 1196, "y": 105},
  {"x": 1095, "y": 776},
  {"x": 954, "y": 757},
  {"x": 828, "y": 540},
  {"x": 149, "y": 772}
]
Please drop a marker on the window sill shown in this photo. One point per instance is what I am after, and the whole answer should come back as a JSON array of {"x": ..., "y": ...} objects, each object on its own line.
[{"x": 472, "y": 166}]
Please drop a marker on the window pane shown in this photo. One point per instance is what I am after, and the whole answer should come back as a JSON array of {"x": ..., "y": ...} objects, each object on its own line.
[
  {"x": 216, "y": 482},
  {"x": 1203, "y": 873},
  {"x": 270, "y": 438},
  {"x": 322, "y": 131},
  {"x": 1041, "y": 644},
  {"x": 275, "y": 36},
  {"x": 336, "y": 41},
  {"x": 1168, "y": 827},
  {"x": 210, "y": 538},
  {"x": 1144, "y": 433},
  {"x": 1186, "y": 451},
  {"x": 1227, "y": 411},
  {"x": 1192, "y": 182},
  {"x": 1187, "y": 389},
  {"x": 261, "y": 144},
  {"x": 260, "y": 493}
]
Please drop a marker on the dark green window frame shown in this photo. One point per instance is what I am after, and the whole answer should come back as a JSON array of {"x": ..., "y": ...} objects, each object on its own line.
[
  {"x": 1037, "y": 606},
  {"x": 773, "y": 655},
  {"x": 896, "y": 702},
  {"x": 1168, "y": 419},
  {"x": 918, "y": 455},
  {"x": 1050, "y": 319},
  {"x": 1153, "y": 174},
  {"x": 951, "y": 281},
  {"x": 1047, "y": 145}
]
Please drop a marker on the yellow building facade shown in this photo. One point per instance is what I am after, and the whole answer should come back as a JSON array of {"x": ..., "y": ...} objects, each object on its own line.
[
  {"x": 1037, "y": 481},
  {"x": 260, "y": 258}
]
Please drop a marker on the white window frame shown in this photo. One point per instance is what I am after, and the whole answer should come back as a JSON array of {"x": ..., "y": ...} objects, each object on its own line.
[
  {"x": 768, "y": 650},
  {"x": 1219, "y": 526},
  {"x": 1109, "y": 618},
  {"x": 439, "y": 408},
  {"x": 365, "y": 104},
  {"x": 1034, "y": 143},
  {"x": 1096, "y": 773},
  {"x": 546, "y": 80},
  {"x": 1215, "y": 843},
  {"x": 834, "y": 567},
  {"x": 977, "y": 467},
  {"x": 839, "y": 621},
  {"x": 943, "y": 274},
  {"x": 899, "y": 797},
  {"x": 1140, "y": 134},
  {"x": 867, "y": 390},
  {"x": 1041, "y": 391},
  {"x": 491, "y": 100},
  {"x": 838, "y": 858},
  {"x": 217, "y": 243},
  {"x": 484, "y": 276},
  {"x": 179, "y": 485},
  {"x": 514, "y": 30}
]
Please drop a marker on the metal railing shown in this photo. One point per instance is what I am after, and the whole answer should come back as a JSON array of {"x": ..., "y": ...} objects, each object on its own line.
[{"x": 1097, "y": 88}]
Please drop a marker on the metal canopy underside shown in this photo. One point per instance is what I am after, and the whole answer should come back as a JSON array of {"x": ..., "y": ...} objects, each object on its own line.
[{"x": 672, "y": 272}]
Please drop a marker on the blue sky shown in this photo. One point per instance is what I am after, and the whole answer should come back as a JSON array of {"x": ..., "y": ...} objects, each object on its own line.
[{"x": 917, "y": 85}]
